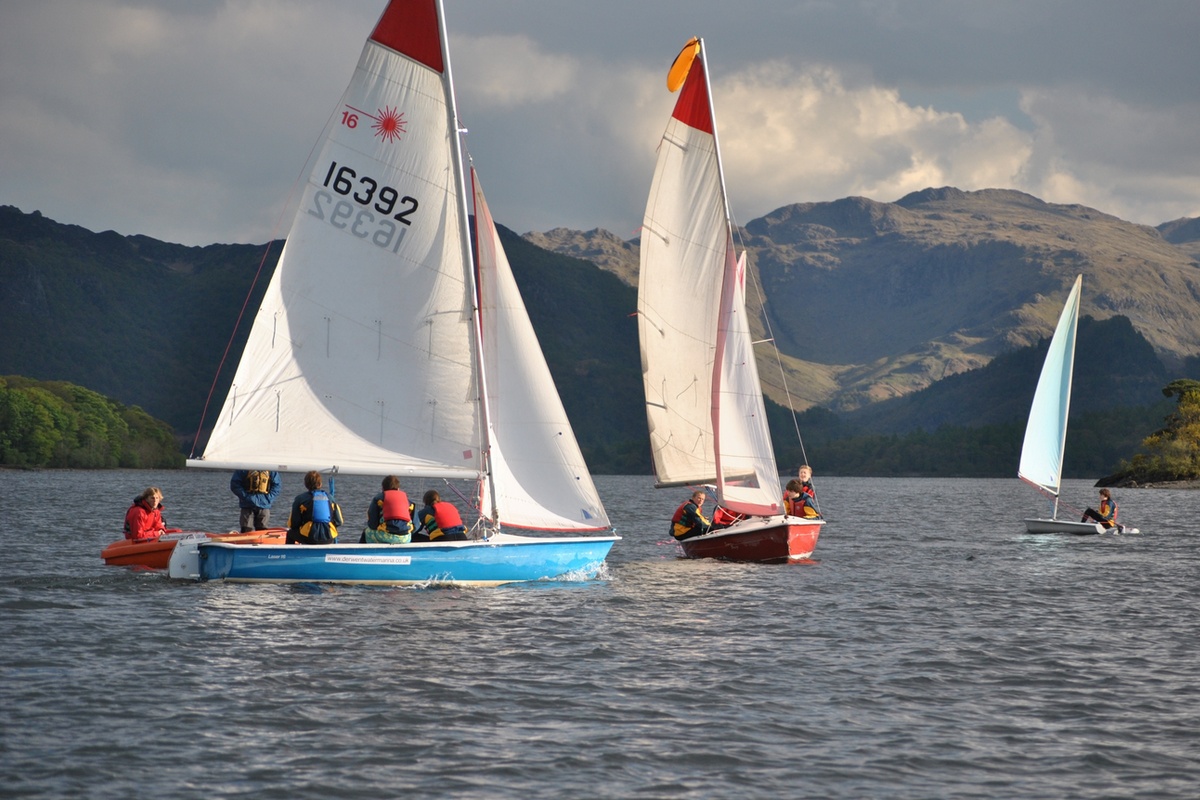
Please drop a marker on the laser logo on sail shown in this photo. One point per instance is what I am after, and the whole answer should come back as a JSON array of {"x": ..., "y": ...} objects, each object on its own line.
[{"x": 388, "y": 122}]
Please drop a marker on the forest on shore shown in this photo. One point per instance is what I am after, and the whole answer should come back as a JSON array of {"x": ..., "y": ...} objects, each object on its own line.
[{"x": 59, "y": 424}]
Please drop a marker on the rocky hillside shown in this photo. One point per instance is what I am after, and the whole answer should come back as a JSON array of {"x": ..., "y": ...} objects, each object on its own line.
[{"x": 876, "y": 300}]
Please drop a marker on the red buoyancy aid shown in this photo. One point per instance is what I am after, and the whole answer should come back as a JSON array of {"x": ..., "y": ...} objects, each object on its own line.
[
  {"x": 678, "y": 515},
  {"x": 395, "y": 505},
  {"x": 446, "y": 515}
]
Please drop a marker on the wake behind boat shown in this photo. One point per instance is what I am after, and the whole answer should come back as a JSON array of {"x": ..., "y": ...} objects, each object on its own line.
[
  {"x": 392, "y": 339},
  {"x": 1045, "y": 443},
  {"x": 704, "y": 402}
]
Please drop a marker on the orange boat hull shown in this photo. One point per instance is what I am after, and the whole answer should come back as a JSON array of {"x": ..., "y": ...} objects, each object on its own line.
[{"x": 156, "y": 553}]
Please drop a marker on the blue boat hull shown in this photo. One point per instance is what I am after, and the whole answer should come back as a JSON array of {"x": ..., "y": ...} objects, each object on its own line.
[{"x": 501, "y": 559}]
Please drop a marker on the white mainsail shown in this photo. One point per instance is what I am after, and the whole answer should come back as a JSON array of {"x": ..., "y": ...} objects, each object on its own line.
[
  {"x": 703, "y": 399},
  {"x": 365, "y": 355},
  {"x": 1046, "y": 432}
]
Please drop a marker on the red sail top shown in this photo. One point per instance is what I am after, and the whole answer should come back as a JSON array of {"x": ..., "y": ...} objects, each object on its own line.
[
  {"x": 692, "y": 106},
  {"x": 410, "y": 27}
]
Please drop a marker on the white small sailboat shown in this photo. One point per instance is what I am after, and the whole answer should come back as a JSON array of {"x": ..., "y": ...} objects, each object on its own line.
[
  {"x": 704, "y": 402},
  {"x": 393, "y": 341},
  {"x": 1045, "y": 442}
]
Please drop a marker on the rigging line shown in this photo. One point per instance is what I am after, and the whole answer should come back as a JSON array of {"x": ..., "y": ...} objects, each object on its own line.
[{"x": 304, "y": 171}]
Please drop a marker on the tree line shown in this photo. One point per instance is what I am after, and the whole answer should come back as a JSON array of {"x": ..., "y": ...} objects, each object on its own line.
[{"x": 58, "y": 424}]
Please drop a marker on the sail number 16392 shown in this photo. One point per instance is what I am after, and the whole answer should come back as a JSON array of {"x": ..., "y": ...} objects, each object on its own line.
[{"x": 360, "y": 216}]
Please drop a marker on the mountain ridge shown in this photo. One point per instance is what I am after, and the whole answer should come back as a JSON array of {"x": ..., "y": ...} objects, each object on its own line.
[{"x": 897, "y": 296}]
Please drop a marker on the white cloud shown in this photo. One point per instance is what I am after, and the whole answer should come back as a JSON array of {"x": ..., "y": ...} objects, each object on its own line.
[
  {"x": 509, "y": 71},
  {"x": 792, "y": 135},
  {"x": 191, "y": 121}
]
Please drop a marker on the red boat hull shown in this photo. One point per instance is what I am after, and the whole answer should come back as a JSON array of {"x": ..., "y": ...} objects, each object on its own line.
[
  {"x": 765, "y": 540},
  {"x": 156, "y": 553}
]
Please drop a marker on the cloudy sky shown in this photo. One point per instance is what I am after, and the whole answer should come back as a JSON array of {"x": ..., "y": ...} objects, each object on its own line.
[{"x": 191, "y": 120}]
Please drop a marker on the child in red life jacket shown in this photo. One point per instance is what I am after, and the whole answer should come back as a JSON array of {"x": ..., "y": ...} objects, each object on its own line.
[
  {"x": 390, "y": 515},
  {"x": 439, "y": 521}
]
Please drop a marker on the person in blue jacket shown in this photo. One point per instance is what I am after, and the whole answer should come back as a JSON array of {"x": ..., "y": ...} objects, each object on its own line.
[
  {"x": 315, "y": 516},
  {"x": 256, "y": 491}
]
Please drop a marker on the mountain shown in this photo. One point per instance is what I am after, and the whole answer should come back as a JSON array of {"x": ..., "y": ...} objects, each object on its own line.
[
  {"x": 1184, "y": 233},
  {"x": 872, "y": 300},
  {"x": 138, "y": 320},
  {"x": 948, "y": 298},
  {"x": 152, "y": 324}
]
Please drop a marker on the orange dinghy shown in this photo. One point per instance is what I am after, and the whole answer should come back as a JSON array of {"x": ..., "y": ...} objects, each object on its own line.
[{"x": 156, "y": 553}]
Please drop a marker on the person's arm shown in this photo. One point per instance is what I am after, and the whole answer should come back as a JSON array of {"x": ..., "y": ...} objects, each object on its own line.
[
  {"x": 237, "y": 485},
  {"x": 275, "y": 488}
]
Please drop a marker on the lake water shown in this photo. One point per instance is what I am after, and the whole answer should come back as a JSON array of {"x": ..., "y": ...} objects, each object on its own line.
[{"x": 929, "y": 649}]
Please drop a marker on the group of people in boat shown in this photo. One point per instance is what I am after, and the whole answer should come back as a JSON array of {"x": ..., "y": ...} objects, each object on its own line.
[
  {"x": 799, "y": 500},
  {"x": 315, "y": 516}
]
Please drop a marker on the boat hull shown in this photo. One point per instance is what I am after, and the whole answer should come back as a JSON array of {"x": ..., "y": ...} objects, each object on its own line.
[
  {"x": 1063, "y": 526},
  {"x": 156, "y": 553},
  {"x": 760, "y": 539},
  {"x": 501, "y": 559},
  {"x": 1075, "y": 528}
]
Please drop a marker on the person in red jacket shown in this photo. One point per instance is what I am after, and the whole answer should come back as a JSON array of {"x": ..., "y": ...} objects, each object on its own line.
[
  {"x": 144, "y": 519},
  {"x": 440, "y": 521}
]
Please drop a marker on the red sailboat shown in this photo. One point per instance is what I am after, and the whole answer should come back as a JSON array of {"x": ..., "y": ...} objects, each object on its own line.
[{"x": 704, "y": 402}]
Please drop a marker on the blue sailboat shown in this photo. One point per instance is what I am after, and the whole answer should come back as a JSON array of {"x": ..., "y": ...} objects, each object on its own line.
[{"x": 392, "y": 339}]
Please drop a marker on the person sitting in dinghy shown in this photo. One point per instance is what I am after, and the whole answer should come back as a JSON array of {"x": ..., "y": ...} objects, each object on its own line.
[
  {"x": 144, "y": 518},
  {"x": 390, "y": 515},
  {"x": 797, "y": 502},
  {"x": 688, "y": 521},
  {"x": 805, "y": 475},
  {"x": 1107, "y": 515},
  {"x": 440, "y": 521},
  {"x": 315, "y": 516}
]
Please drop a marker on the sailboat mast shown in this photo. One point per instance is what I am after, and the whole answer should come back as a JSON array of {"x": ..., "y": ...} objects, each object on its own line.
[
  {"x": 712, "y": 114},
  {"x": 468, "y": 259}
]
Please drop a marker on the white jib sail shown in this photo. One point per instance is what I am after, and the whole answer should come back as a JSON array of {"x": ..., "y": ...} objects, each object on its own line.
[
  {"x": 1046, "y": 431},
  {"x": 539, "y": 475},
  {"x": 361, "y": 355},
  {"x": 747, "y": 477}
]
